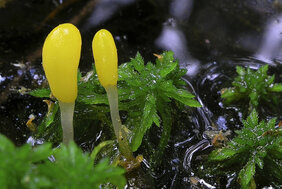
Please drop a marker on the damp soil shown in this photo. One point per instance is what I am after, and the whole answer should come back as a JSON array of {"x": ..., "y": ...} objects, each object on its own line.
[{"x": 211, "y": 36}]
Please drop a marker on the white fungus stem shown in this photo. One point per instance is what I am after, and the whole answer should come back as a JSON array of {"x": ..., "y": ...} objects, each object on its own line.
[
  {"x": 67, "y": 110},
  {"x": 121, "y": 135}
]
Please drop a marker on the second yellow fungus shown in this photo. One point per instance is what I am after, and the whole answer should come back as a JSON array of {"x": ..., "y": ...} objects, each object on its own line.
[{"x": 105, "y": 56}]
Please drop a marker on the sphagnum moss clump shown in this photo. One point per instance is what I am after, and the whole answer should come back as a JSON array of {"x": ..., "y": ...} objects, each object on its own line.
[
  {"x": 146, "y": 91},
  {"x": 28, "y": 167},
  {"x": 60, "y": 59},
  {"x": 253, "y": 85},
  {"x": 257, "y": 146}
]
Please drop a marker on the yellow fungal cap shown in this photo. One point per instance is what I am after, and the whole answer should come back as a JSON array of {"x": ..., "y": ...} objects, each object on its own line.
[
  {"x": 60, "y": 59},
  {"x": 105, "y": 56}
]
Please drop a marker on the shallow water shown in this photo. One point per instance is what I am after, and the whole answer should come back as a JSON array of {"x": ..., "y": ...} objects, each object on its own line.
[{"x": 208, "y": 38}]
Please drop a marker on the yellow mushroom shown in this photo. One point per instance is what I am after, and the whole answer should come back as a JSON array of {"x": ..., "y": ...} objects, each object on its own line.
[
  {"x": 60, "y": 59},
  {"x": 106, "y": 63},
  {"x": 106, "y": 60}
]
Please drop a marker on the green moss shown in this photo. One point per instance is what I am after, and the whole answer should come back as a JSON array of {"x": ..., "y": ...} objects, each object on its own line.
[
  {"x": 254, "y": 145},
  {"x": 145, "y": 94},
  {"x": 255, "y": 86},
  {"x": 24, "y": 167}
]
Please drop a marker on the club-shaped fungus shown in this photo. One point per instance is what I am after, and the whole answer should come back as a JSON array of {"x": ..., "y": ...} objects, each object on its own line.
[
  {"x": 106, "y": 63},
  {"x": 60, "y": 59}
]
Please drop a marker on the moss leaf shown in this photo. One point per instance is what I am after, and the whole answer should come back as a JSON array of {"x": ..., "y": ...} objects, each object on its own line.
[
  {"x": 247, "y": 174},
  {"x": 41, "y": 93},
  {"x": 222, "y": 154}
]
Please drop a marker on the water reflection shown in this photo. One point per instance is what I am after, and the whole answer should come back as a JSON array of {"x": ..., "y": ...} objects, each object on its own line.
[
  {"x": 271, "y": 44},
  {"x": 33, "y": 141},
  {"x": 181, "y": 9},
  {"x": 221, "y": 123},
  {"x": 2, "y": 79},
  {"x": 103, "y": 11},
  {"x": 200, "y": 146},
  {"x": 173, "y": 38},
  {"x": 204, "y": 114}
]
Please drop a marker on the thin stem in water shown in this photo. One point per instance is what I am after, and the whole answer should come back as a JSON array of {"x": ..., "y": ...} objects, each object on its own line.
[
  {"x": 67, "y": 110},
  {"x": 120, "y": 133}
]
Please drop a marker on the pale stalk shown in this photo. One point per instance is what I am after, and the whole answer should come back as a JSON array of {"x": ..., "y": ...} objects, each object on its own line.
[
  {"x": 67, "y": 110},
  {"x": 120, "y": 133}
]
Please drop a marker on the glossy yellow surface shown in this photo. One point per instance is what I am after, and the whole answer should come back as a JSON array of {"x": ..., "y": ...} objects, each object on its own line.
[
  {"x": 105, "y": 57},
  {"x": 60, "y": 59}
]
